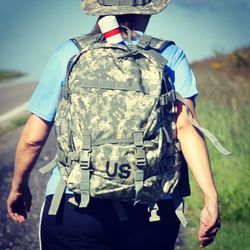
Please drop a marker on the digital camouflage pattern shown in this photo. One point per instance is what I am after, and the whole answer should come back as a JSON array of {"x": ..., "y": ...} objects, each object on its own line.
[
  {"x": 113, "y": 91},
  {"x": 120, "y": 7}
]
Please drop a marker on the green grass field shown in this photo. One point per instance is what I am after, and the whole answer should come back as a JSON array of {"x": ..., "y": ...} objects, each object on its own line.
[{"x": 224, "y": 108}]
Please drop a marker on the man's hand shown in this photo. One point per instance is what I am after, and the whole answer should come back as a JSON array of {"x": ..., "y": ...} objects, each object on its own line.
[
  {"x": 209, "y": 223},
  {"x": 18, "y": 204}
]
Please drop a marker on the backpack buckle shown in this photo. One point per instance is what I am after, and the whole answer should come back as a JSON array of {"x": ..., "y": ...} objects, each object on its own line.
[
  {"x": 140, "y": 151},
  {"x": 84, "y": 159},
  {"x": 140, "y": 157},
  {"x": 84, "y": 156},
  {"x": 153, "y": 213}
]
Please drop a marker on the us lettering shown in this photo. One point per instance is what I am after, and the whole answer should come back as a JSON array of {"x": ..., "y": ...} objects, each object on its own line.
[{"x": 123, "y": 170}]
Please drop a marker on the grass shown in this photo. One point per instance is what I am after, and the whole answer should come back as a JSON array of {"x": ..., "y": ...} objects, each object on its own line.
[
  {"x": 13, "y": 123},
  {"x": 224, "y": 108},
  {"x": 8, "y": 74},
  {"x": 232, "y": 236}
]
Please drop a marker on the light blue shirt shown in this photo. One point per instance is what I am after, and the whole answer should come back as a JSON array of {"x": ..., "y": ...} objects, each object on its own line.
[{"x": 43, "y": 102}]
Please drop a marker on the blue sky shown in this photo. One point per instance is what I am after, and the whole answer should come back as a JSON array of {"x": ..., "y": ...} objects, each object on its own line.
[{"x": 31, "y": 29}]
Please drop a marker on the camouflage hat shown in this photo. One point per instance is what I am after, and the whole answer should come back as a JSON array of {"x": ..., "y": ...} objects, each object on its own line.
[{"x": 120, "y": 7}]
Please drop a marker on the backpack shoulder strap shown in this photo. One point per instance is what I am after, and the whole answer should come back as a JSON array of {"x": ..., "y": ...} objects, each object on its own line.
[
  {"x": 147, "y": 42},
  {"x": 82, "y": 41},
  {"x": 156, "y": 46}
]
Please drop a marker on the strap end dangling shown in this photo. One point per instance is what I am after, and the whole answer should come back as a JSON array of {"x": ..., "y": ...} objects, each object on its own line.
[{"x": 153, "y": 213}]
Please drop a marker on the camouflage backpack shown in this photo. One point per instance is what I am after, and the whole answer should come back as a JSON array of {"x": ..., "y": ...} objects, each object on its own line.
[{"x": 115, "y": 125}]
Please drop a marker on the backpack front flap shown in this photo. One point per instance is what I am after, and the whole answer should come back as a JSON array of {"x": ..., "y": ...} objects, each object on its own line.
[{"x": 109, "y": 125}]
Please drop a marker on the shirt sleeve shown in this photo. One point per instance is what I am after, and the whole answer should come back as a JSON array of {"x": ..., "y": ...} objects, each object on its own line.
[
  {"x": 43, "y": 102},
  {"x": 180, "y": 72}
]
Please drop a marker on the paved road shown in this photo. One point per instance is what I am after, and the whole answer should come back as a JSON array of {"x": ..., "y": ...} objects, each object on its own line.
[{"x": 15, "y": 93}]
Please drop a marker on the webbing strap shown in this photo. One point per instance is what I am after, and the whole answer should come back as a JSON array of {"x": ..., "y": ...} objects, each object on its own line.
[
  {"x": 162, "y": 61},
  {"x": 147, "y": 50},
  {"x": 87, "y": 142},
  {"x": 146, "y": 144},
  {"x": 84, "y": 187},
  {"x": 48, "y": 167},
  {"x": 114, "y": 85},
  {"x": 168, "y": 98},
  {"x": 82, "y": 41},
  {"x": 180, "y": 214},
  {"x": 160, "y": 45},
  {"x": 57, "y": 197},
  {"x": 144, "y": 41},
  {"x": 140, "y": 163},
  {"x": 138, "y": 179},
  {"x": 138, "y": 139},
  {"x": 167, "y": 136},
  {"x": 123, "y": 2},
  {"x": 148, "y": 42},
  {"x": 85, "y": 170},
  {"x": 113, "y": 141},
  {"x": 206, "y": 132},
  {"x": 179, "y": 207},
  {"x": 153, "y": 47},
  {"x": 156, "y": 43}
]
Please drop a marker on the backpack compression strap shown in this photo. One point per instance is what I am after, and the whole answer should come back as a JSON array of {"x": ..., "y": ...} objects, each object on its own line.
[
  {"x": 140, "y": 163},
  {"x": 85, "y": 171},
  {"x": 85, "y": 176}
]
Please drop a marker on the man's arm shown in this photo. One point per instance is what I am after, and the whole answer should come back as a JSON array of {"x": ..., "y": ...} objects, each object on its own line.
[
  {"x": 195, "y": 152},
  {"x": 30, "y": 144}
]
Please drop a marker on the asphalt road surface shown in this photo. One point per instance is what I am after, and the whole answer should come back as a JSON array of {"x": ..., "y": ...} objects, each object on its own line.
[{"x": 14, "y": 93}]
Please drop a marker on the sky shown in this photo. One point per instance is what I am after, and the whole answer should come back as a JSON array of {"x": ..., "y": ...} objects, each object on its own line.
[{"x": 30, "y": 30}]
